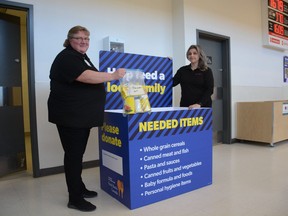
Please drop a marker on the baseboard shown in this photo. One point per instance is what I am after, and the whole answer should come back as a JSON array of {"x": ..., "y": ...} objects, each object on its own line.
[{"x": 234, "y": 140}]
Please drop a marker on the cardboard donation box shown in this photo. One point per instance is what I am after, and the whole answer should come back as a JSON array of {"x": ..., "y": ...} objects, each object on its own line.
[{"x": 151, "y": 156}]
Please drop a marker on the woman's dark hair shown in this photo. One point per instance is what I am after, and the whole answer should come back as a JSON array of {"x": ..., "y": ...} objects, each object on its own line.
[{"x": 202, "y": 64}]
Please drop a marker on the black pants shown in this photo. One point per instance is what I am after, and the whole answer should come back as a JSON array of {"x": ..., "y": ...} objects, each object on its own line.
[{"x": 74, "y": 142}]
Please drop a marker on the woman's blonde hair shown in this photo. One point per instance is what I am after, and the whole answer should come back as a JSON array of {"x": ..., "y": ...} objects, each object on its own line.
[
  {"x": 202, "y": 64},
  {"x": 74, "y": 30}
]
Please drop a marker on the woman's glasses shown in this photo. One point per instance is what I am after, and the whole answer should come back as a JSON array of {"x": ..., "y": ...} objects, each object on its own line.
[{"x": 86, "y": 39}]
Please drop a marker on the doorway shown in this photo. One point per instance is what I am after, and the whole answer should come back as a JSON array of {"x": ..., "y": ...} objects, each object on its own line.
[
  {"x": 217, "y": 49},
  {"x": 12, "y": 151},
  {"x": 18, "y": 134}
]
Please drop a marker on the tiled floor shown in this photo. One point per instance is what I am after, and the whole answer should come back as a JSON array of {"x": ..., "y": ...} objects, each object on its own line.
[{"x": 248, "y": 180}]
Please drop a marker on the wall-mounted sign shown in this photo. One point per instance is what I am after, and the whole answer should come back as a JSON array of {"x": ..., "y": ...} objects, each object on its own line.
[
  {"x": 275, "y": 23},
  {"x": 285, "y": 69},
  {"x": 209, "y": 60},
  {"x": 285, "y": 109}
]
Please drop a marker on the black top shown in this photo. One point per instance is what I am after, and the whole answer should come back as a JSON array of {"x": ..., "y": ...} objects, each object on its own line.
[
  {"x": 196, "y": 86},
  {"x": 72, "y": 103}
]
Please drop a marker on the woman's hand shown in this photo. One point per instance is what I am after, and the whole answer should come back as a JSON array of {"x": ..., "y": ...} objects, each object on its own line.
[
  {"x": 194, "y": 106},
  {"x": 119, "y": 73}
]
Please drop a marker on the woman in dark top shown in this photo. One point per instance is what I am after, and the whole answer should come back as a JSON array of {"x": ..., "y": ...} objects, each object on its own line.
[
  {"x": 76, "y": 104},
  {"x": 196, "y": 80}
]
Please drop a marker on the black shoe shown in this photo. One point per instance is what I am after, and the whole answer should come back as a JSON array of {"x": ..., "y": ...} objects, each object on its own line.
[
  {"x": 89, "y": 194},
  {"x": 81, "y": 205}
]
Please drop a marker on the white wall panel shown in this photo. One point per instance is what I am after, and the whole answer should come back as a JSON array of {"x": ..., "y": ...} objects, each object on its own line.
[{"x": 154, "y": 27}]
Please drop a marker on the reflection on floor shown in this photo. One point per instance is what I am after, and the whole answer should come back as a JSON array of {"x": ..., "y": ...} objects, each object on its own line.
[{"x": 248, "y": 180}]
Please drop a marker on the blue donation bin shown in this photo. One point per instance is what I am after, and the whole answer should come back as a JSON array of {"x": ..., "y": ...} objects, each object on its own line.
[{"x": 149, "y": 157}]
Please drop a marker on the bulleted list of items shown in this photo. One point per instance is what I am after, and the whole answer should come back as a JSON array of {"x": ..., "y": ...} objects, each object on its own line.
[{"x": 163, "y": 168}]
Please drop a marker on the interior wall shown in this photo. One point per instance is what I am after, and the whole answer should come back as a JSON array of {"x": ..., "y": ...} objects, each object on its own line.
[
  {"x": 256, "y": 71},
  {"x": 145, "y": 26},
  {"x": 179, "y": 44},
  {"x": 154, "y": 27}
]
